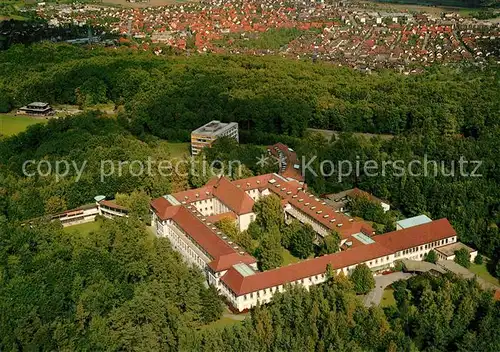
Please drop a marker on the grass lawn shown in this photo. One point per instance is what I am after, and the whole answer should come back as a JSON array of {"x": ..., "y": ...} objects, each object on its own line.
[
  {"x": 482, "y": 272},
  {"x": 388, "y": 298},
  {"x": 11, "y": 124},
  {"x": 179, "y": 150},
  {"x": 288, "y": 258},
  {"x": 84, "y": 229}
]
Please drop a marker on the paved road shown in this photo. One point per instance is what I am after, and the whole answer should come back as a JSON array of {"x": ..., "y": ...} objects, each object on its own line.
[{"x": 381, "y": 282}]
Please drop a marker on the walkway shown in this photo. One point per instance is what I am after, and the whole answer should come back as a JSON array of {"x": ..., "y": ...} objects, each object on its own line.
[
  {"x": 421, "y": 266},
  {"x": 453, "y": 267},
  {"x": 374, "y": 297}
]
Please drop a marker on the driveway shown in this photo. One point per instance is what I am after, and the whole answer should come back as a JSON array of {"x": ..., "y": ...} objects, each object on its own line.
[{"x": 374, "y": 297}]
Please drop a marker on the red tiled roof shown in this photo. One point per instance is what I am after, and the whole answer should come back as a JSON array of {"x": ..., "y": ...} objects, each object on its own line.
[
  {"x": 214, "y": 218},
  {"x": 194, "y": 195},
  {"x": 224, "y": 262},
  {"x": 111, "y": 204},
  {"x": 242, "y": 285},
  {"x": 224, "y": 256},
  {"x": 227, "y": 192},
  {"x": 321, "y": 210},
  {"x": 164, "y": 209},
  {"x": 416, "y": 235},
  {"x": 254, "y": 182},
  {"x": 496, "y": 297},
  {"x": 201, "y": 233},
  {"x": 233, "y": 197},
  {"x": 385, "y": 245},
  {"x": 290, "y": 158}
]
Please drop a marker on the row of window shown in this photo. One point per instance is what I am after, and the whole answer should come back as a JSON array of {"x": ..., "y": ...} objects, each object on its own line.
[
  {"x": 187, "y": 249},
  {"x": 377, "y": 261},
  {"x": 310, "y": 220},
  {"x": 191, "y": 239},
  {"x": 424, "y": 247},
  {"x": 262, "y": 293}
]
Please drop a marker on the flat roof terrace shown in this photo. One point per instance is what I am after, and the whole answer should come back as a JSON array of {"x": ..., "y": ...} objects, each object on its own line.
[
  {"x": 214, "y": 128},
  {"x": 450, "y": 249}
]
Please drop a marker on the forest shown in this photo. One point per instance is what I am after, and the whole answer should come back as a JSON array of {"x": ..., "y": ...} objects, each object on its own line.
[
  {"x": 170, "y": 96},
  {"x": 121, "y": 288},
  {"x": 442, "y": 115}
]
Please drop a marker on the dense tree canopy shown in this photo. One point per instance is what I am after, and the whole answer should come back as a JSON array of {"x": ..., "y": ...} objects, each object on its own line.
[
  {"x": 116, "y": 288},
  {"x": 362, "y": 279},
  {"x": 93, "y": 147},
  {"x": 120, "y": 288},
  {"x": 462, "y": 257},
  {"x": 431, "y": 257},
  {"x": 168, "y": 97}
]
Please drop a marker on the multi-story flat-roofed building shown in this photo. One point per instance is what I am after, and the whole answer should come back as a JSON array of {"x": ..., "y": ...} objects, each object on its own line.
[{"x": 207, "y": 134}]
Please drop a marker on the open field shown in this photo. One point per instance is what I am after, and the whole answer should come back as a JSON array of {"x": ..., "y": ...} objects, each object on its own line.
[
  {"x": 84, "y": 229},
  {"x": 482, "y": 272},
  {"x": 11, "y": 124},
  {"x": 416, "y": 6}
]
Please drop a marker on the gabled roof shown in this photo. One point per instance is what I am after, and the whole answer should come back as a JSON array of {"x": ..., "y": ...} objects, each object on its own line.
[
  {"x": 233, "y": 197},
  {"x": 242, "y": 285},
  {"x": 328, "y": 217},
  {"x": 385, "y": 245},
  {"x": 416, "y": 235},
  {"x": 226, "y": 261},
  {"x": 255, "y": 182},
  {"x": 194, "y": 195},
  {"x": 163, "y": 208},
  {"x": 201, "y": 233},
  {"x": 223, "y": 189}
]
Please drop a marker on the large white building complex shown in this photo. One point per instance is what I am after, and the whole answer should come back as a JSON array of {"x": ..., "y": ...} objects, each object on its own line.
[
  {"x": 207, "y": 134},
  {"x": 187, "y": 220}
]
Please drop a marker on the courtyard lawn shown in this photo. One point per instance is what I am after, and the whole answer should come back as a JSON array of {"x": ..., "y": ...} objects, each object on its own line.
[
  {"x": 482, "y": 272},
  {"x": 288, "y": 257},
  {"x": 11, "y": 124},
  {"x": 84, "y": 229},
  {"x": 388, "y": 298}
]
